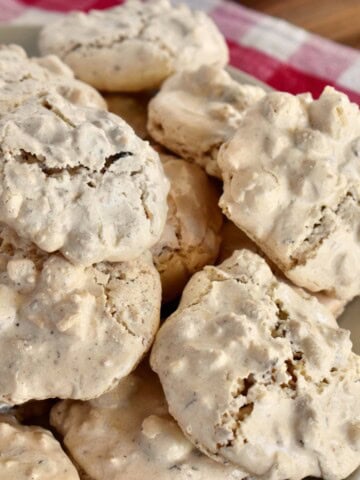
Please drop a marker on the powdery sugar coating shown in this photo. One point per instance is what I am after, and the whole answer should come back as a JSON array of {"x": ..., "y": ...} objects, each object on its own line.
[
  {"x": 135, "y": 46},
  {"x": 80, "y": 181},
  {"x": 128, "y": 434},
  {"x": 292, "y": 183},
  {"x": 196, "y": 112},
  {"x": 260, "y": 376},
  {"x": 71, "y": 331},
  {"x": 22, "y": 77},
  {"x": 191, "y": 237},
  {"x": 31, "y": 453}
]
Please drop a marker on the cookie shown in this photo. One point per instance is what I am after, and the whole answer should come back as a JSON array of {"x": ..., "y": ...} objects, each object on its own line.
[
  {"x": 31, "y": 453},
  {"x": 136, "y": 46},
  {"x": 128, "y": 434},
  {"x": 232, "y": 238},
  {"x": 191, "y": 237},
  {"x": 291, "y": 183},
  {"x": 261, "y": 376},
  {"x": 71, "y": 331},
  {"x": 132, "y": 109},
  {"x": 22, "y": 77},
  {"x": 79, "y": 180},
  {"x": 195, "y": 112}
]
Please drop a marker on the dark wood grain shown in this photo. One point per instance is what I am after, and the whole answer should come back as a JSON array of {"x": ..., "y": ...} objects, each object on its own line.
[{"x": 338, "y": 20}]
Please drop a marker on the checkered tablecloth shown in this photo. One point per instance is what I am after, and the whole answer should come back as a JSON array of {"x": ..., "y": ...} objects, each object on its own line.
[{"x": 278, "y": 53}]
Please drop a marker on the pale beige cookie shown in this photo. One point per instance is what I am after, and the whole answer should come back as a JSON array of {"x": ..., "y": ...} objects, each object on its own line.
[
  {"x": 292, "y": 183},
  {"x": 79, "y": 180},
  {"x": 128, "y": 434},
  {"x": 191, "y": 237},
  {"x": 196, "y": 112},
  {"x": 135, "y": 46},
  {"x": 132, "y": 108},
  {"x": 71, "y": 331},
  {"x": 260, "y": 375},
  {"x": 232, "y": 238},
  {"x": 22, "y": 77},
  {"x": 31, "y": 453}
]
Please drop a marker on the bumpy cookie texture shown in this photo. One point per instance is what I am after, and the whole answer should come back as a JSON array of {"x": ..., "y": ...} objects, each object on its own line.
[
  {"x": 131, "y": 108},
  {"x": 80, "y": 181},
  {"x": 135, "y": 46},
  {"x": 191, "y": 237},
  {"x": 31, "y": 453},
  {"x": 71, "y": 331},
  {"x": 128, "y": 434},
  {"x": 22, "y": 77},
  {"x": 195, "y": 112},
  {"x": 261, "y": 376},
  {"x": 232, "y": 238},
  {"x": 292, "y": 183}
]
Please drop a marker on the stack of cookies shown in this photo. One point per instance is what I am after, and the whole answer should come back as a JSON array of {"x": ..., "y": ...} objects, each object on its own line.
[{"x": 243, "y": 203}]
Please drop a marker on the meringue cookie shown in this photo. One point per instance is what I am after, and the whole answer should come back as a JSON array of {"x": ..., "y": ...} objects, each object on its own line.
[
  {"x": 292, "y": 184},
  {"x": 191, "y": 237},
  {"x": 31, "y": 453},
  {"x": 135, "y": 46},
  {"x": 128, "y": 434},
  {"x": 70, "y": 331},
  {"x": 22, "y": 77},
  {"x": 79, "y": 180},
  {"x": 259, "y": 375},
  {"x": 195, "y": 112}
]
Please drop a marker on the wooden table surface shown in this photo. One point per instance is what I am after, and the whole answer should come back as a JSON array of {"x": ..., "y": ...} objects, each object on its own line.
[{"x": 338, "y": 20}]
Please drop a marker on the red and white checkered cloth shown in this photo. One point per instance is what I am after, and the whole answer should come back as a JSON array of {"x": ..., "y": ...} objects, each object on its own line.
[{"x": 276, "y": 52}]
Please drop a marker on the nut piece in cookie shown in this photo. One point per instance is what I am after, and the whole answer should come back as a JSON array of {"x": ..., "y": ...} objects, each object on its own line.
[
  {"x": 232, "y": 238},
  {"x": 292, "y": 183},
  {"x": 195, "y": 112},
  {"x": 71, "y": 331},
  {"x": 128, "y": 434},
  {"x": 261, "y": 376},
  {"x": 22, "y": 77},
  {"x": 136, "y": 46},
  {"x": 191, "y": 237},
  {"x": 31, "y": 453},
  {"x": 79, "y": 180}
]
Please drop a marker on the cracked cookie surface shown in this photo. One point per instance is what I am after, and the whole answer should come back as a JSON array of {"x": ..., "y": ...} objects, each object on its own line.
[
  {"x": 294, "y": 187},
  {"x": 232, "y": 238},
  {"x": 22, "y": 77},
  {"x": 71, "y": 331},
  {"x": 128, "y": 434},
  {"x": 191, "y": 237},
  {"x": 135, "y": 46},
  {"x": 255, "y": 374},
  {"x": 31, "y": 453},
  {"x": 79, "y": 180},
  {"x": 195, "y": 112}
]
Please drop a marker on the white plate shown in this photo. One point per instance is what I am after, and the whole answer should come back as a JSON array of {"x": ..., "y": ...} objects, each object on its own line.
[{"x": 26, "y": 36}]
